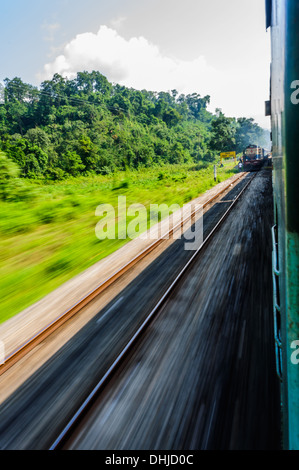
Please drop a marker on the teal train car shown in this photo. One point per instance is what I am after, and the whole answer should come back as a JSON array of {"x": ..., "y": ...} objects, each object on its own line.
[{"x": 282, "y": 17}]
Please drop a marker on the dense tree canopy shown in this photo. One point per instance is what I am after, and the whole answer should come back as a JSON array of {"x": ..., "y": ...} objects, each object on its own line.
[{"x": 73, "y": 127}]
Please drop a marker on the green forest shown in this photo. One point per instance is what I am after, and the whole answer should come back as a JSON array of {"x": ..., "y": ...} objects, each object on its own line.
[{"x": 87, "y": 125}]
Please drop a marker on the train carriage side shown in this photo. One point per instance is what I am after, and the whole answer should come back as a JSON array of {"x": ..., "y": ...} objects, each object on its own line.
[{"x": 283, "y": 18}]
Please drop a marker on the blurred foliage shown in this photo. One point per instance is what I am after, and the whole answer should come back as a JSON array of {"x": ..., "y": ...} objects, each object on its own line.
[{"x": 49, "y": 238}]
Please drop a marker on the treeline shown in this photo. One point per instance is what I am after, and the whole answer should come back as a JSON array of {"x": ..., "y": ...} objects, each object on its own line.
[{"x": 88, "y": 125}]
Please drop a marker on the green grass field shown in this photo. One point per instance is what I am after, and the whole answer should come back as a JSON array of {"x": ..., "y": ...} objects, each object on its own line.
[{"x": 49, "y": 236}]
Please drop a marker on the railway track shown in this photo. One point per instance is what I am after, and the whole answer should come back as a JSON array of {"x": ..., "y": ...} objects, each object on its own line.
[
  {"x": 45, "y": 332},
  {"x": 74, "y": 423}
]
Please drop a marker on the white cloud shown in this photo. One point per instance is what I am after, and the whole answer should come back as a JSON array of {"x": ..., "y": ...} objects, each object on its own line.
[
  {"x": 139, "y": 64},
  {"x": 134, "y": 62}
]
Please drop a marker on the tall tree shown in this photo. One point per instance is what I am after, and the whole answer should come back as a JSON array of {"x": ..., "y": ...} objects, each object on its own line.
[{"x": 223, "y": 137}]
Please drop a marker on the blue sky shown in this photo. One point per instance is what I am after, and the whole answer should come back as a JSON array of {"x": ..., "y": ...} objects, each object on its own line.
[{"x": 211, "y": 47}]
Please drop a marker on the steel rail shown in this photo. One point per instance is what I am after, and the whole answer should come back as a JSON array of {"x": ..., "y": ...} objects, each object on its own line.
[
  {"x": 71, "y": 425},
  {"x": 41, "y": 335}
]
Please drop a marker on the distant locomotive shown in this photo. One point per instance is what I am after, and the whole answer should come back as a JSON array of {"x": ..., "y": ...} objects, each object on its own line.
[
  {"x": 254, "y": 157},
  {"x": 283, "y": 18}
]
